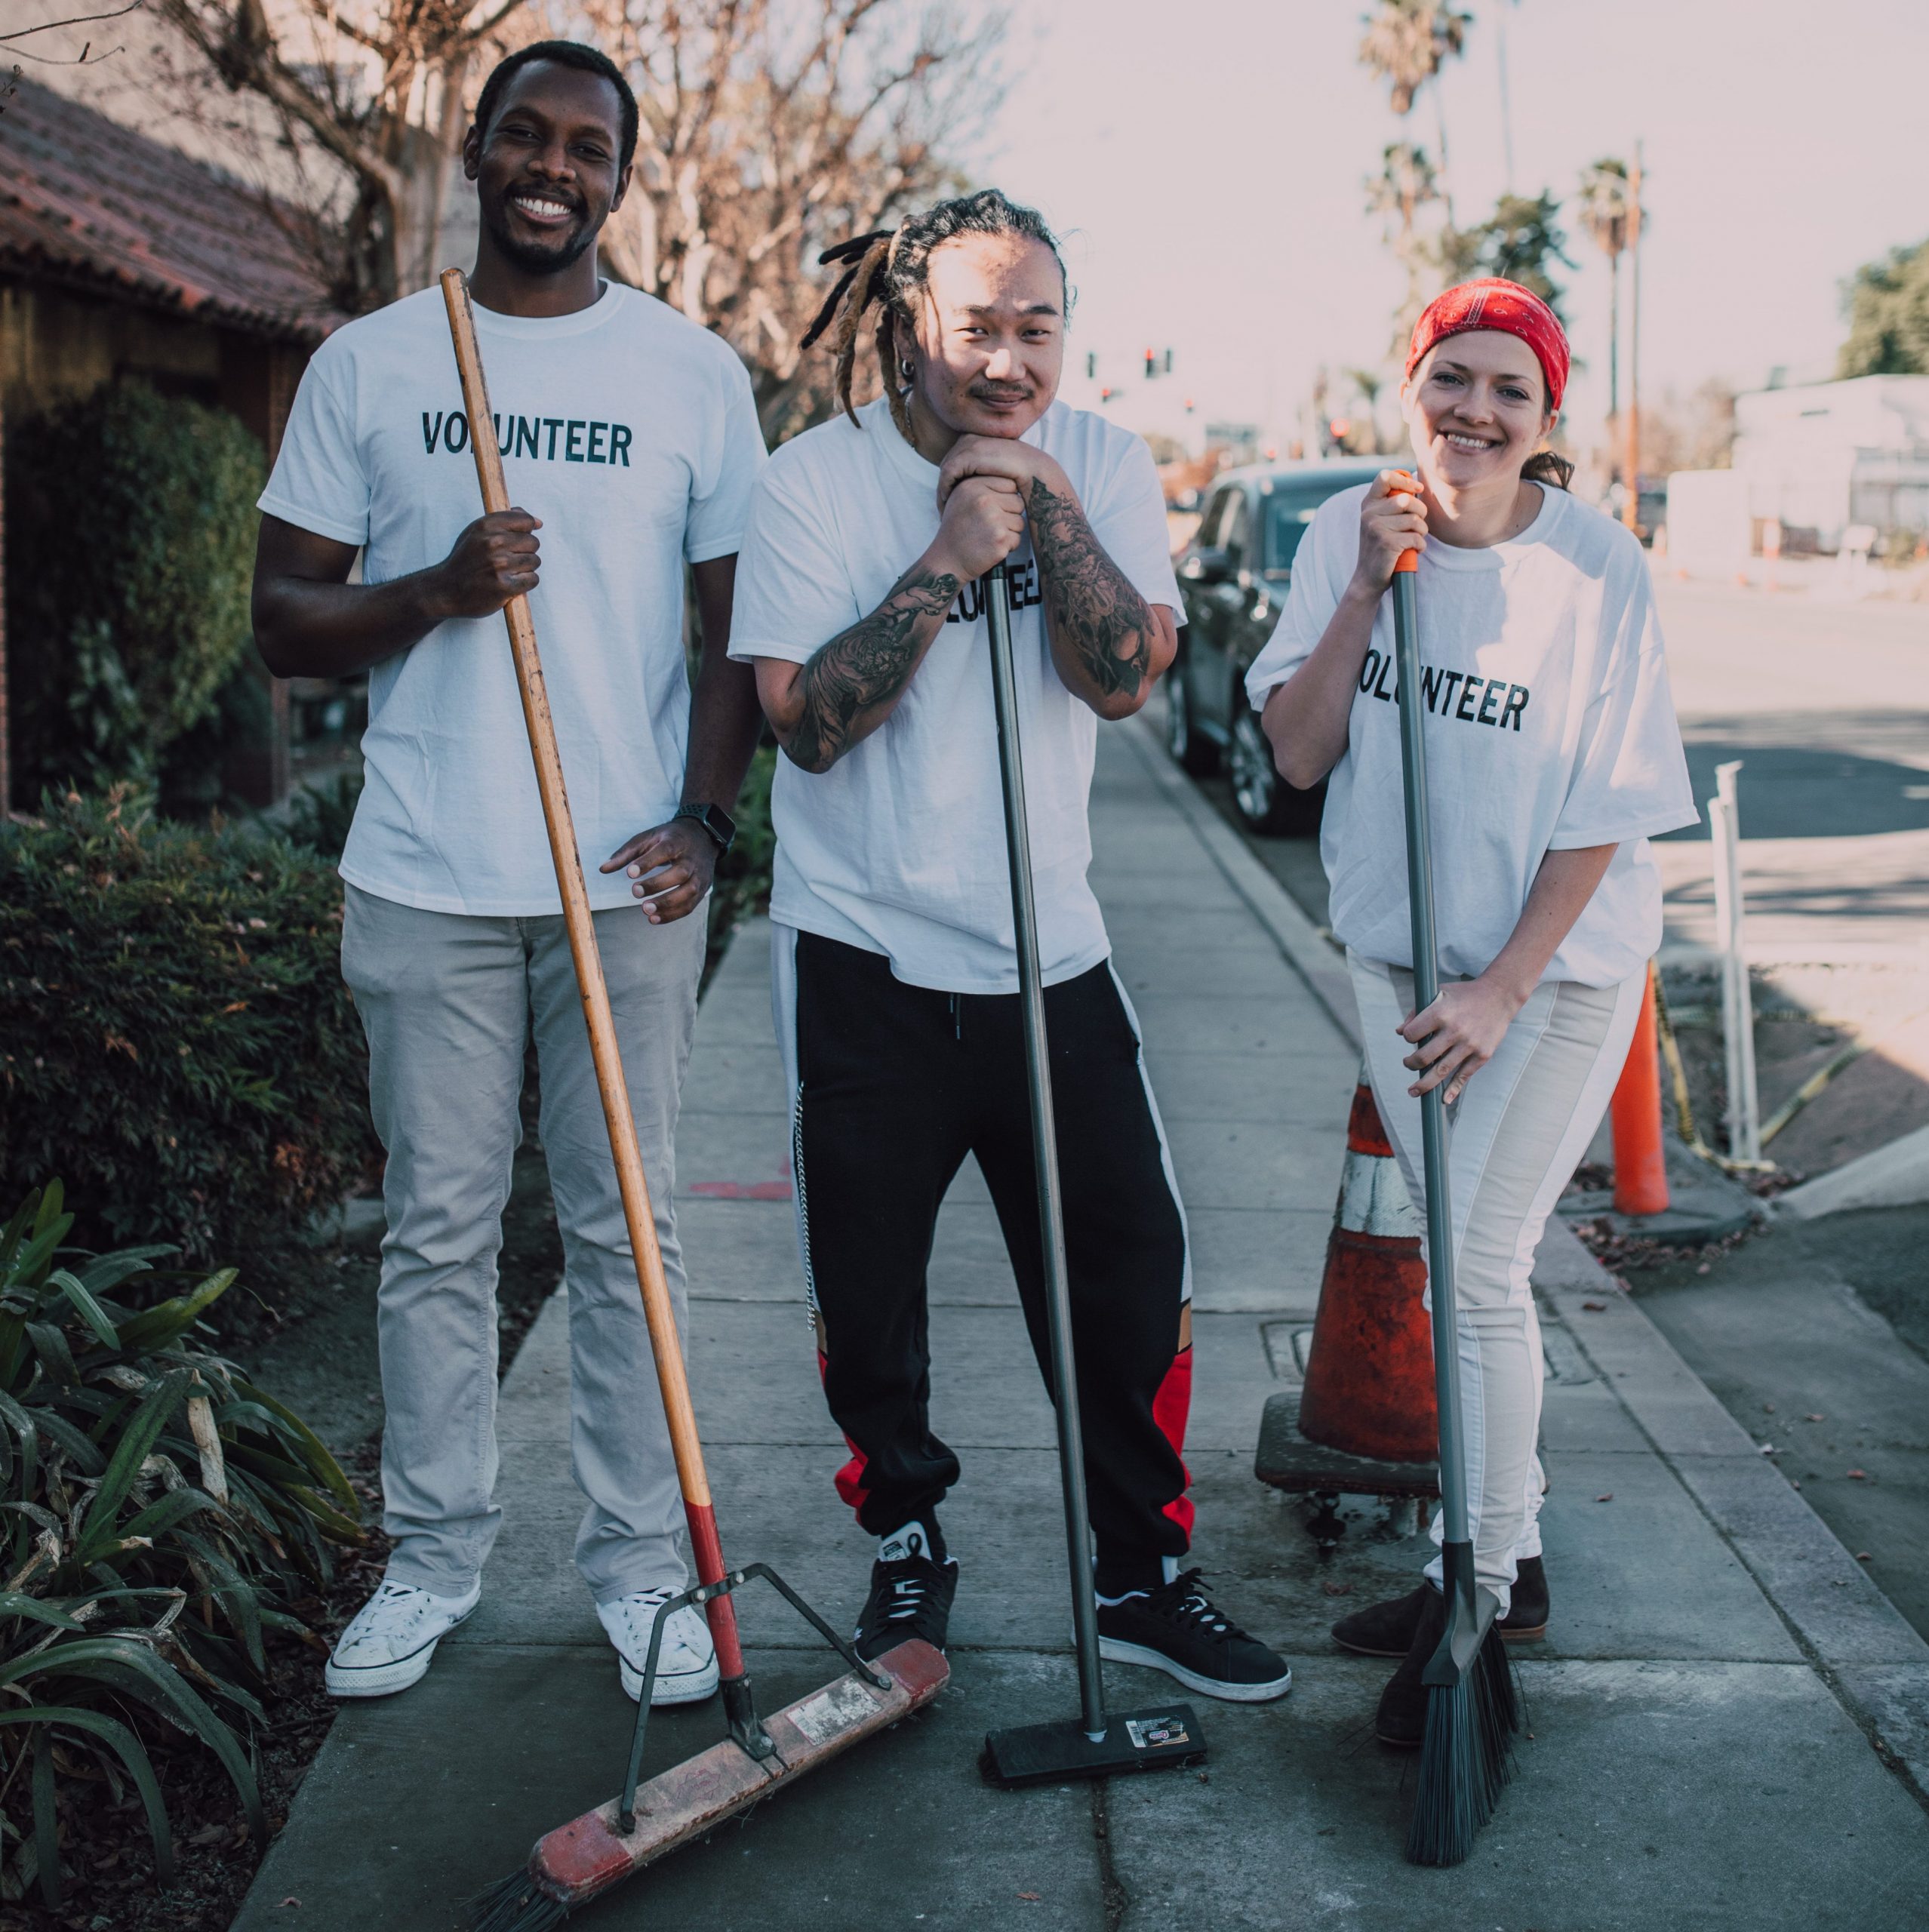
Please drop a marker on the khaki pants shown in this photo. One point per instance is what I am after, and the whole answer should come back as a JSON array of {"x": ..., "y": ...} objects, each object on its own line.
[
  {"x": 1515, "y": 1137},
  {"x": 448, "y": 1002}
]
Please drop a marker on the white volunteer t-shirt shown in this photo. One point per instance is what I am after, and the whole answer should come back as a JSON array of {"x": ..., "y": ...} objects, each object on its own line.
[
  {"x": 631, "y": 433},
  {"x": 1549, "y": 727},
  {"x": 900, "y": 847}
]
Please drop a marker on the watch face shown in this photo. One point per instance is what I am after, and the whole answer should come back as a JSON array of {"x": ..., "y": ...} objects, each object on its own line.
[{"x": 714, "y": 819}]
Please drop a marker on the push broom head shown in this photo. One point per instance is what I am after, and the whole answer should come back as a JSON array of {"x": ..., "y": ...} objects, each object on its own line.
[
  {"x": 579, "y": 1860},
  {"x": 1161, "y": 1737},
  {"x": 1472, "y": 1712}
]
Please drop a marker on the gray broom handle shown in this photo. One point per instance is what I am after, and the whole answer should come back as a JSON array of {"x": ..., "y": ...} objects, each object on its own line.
[
  {"x": 1433, "y": 1119},
  {"x": 1045, "y": 1148}
]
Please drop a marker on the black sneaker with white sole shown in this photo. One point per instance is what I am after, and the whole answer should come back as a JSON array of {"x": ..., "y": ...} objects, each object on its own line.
[
  {"x": 910, "y": 1597},
  {"x": 1176, "y": 1629}
]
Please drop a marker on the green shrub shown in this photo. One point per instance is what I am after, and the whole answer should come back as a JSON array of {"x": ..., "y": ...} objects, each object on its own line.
[
  {"x": 130, "y": 544},
  {"x": 175, "y": 1039},
  {"x": 157, "y": 1512},
  {"x": 319, "y": 816},
  {"x": 743, "y": 882}
]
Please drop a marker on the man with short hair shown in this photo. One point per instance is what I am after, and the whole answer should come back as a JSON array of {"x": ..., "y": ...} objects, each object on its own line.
[
  {"x": 861, "y": 602},
  {"x": 635, "y": 431}
]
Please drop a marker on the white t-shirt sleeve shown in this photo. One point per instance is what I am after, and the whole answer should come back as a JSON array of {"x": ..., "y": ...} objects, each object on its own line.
[
  {"x": 794, "y": 593},
  {"x": 1326, "y": 558},
  {"x": 720, "y": 498},
  {"x": 1631, "y": 776},
  {"x": 320, "y": 481},
  {"x": 1129, "y": 521}
]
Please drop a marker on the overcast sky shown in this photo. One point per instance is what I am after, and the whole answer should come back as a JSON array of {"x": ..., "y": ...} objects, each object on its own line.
[{"x": 1207, "y": 158}]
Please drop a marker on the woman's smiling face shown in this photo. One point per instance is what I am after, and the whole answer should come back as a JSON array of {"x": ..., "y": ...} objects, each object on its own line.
[{"x": 1476, "y": 408}]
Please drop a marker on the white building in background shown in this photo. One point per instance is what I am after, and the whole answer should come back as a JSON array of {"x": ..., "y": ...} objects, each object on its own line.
[{"x": 1823, "y": 456}]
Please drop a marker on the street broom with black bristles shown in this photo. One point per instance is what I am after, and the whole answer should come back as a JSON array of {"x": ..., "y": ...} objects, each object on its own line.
[
  {"x": 579, "y": 1860},
  {"x": 1473, "y": 1710}
]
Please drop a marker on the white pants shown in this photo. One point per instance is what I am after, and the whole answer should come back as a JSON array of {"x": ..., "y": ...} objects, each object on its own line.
[
  {"x": 1515, "y": 1137},
  {"x": 448, "y": 1001}
]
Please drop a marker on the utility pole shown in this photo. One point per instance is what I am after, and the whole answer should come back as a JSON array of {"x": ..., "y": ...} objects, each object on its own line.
[
  {"x": 1506, "y": 113},
  {"x": 1631, "y": 501}
]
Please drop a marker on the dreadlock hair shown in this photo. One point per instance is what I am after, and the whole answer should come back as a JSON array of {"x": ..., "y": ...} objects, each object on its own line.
[
  {"x": 888, "y": 267},
  {"x": 586, "y": 59}
]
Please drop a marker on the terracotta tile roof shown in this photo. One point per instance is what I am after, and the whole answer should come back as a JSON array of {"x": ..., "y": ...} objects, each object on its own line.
[{"x": 85, "y": 201}]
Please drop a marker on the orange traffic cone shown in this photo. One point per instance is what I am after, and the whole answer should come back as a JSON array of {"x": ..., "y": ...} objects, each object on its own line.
[
  {"x": 1369, "y": 1386},
  {"x": 1365, "y": 1422}
]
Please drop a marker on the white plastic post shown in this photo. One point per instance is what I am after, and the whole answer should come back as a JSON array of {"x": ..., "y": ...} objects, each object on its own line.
[{"x": 1744, "y": 1118}]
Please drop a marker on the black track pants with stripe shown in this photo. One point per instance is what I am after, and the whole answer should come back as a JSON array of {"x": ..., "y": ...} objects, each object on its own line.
[{"x": 896, "y": 1084}]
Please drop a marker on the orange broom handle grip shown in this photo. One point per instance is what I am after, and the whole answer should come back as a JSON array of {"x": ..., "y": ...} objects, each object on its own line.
[
  {"x": 603, "y": 1051},
  {"x": 1409, "y": 560}
]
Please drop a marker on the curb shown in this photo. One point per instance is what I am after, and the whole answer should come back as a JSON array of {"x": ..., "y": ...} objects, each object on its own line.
[
  {"x": 1896, "y": 1175},
  {"x": 1855, "y": 1639}
]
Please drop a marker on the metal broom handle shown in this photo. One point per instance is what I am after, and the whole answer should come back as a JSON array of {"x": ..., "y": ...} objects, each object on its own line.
[
  {"x": 1044, "y": 1147},
  {"x": 1426, "y": 989}
]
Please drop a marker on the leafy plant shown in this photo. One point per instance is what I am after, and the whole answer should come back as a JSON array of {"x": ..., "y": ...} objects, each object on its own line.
[
  {"x": 175, "y": 1039},
  {"x": 1887, "y": 302},
  {"x": 156, "y": 1509},
  {"x": 1522, "y": 240},
  {"x": 742, "y": 884},
  {"x": 131, "y": 518},
  {"x": 319, "y": 816}
]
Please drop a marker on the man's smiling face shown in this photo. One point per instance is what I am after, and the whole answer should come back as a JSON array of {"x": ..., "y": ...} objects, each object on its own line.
[{"x": 546, "y": 168}]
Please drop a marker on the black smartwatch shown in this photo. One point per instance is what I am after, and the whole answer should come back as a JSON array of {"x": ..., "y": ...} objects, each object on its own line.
[{"x": 715, "y": 820}]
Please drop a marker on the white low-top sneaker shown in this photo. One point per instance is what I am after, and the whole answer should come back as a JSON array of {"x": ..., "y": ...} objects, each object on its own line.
[
  {"x": 687, "y": 1664},
  {"x": 389, "y": 1644}
]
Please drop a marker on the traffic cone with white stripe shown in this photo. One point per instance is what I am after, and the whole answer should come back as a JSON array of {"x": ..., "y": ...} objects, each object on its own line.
[
  {"x": 1365, "y": 1422},
  {"x": 1369, "y": 1385}
]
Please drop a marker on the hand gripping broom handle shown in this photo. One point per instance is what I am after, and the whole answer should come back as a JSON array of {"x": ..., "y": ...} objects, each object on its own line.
[
  {"x": 1044, "y": 1149},
  {"x": 705, "y": 1548},
  {"x": 1426, "y": 989}
]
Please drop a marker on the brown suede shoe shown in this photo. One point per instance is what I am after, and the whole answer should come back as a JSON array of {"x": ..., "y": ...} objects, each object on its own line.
[
  {"x": 1386, "y": 1629},
  {"x": 1401, "y": 1720}
]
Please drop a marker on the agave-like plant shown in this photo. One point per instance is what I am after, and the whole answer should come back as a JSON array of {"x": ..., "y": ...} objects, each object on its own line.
[{"x": 157, "y": 1512}]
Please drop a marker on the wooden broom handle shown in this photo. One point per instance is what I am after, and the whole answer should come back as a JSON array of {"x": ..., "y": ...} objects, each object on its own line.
[{"x": 609, "y": 1082}]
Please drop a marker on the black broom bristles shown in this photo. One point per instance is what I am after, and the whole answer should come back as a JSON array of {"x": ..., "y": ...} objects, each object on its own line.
[
  {"x": 1466, "y": 1756},
  {"x": 516, "y": 1904}
]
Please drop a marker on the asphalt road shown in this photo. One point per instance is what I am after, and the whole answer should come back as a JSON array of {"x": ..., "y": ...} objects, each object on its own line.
[{"x": 1826, "y": 705}]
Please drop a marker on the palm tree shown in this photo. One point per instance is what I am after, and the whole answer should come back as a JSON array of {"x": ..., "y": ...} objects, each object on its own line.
[
  {"x": 1406, "y": 44},
  {"x": 1404, "y": 185},
  {"x": 1604, "y": 213}
]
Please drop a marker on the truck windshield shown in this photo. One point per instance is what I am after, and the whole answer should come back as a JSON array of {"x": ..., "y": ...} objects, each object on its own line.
[{"x": 1288, "y": 514}]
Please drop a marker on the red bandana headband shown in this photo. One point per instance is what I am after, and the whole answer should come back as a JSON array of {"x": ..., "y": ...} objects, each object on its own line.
[{"x": 1494, "y": 303}]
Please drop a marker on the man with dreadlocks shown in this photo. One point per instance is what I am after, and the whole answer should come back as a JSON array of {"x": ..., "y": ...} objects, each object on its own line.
[{"x": 896, "y": 974}]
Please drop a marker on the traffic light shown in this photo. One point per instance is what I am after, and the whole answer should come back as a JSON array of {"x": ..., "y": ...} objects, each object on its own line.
[
  {"x": 1091, "y": 365},
  {"x": 1168, "y": 362},
  {"x": 1105, "y": 394},
  {"x": 1189, "y": 405},
  {"x": 1152, "y": 364}
]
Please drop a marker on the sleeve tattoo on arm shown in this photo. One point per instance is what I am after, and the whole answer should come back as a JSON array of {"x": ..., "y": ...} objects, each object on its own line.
[
  {"x": 866, "y": 665},
  {"x": 1092, "y": 607}
]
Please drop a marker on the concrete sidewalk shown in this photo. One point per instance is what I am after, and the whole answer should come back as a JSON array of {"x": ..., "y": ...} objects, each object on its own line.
[{"x": 1730, "y": 1726}]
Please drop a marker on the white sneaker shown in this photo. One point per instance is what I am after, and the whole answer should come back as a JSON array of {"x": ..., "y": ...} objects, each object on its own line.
[
  {"x": 687, "y": 1664},
  {"x": 389, "y": 1645}
]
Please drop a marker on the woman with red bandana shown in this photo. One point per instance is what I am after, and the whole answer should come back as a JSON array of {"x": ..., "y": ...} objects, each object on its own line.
[{"x": 1553, "y": 757}]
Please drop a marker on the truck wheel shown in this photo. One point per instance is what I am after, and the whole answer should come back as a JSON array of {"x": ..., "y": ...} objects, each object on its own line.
[
  {"x": 1191, "y": 750},
  {"x": 1267, "y": 804}
]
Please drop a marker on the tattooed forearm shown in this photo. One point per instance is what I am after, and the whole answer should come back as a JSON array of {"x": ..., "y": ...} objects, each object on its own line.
[
  {"x": 867, "y": 665},
  {"x": 1093, "y": 610}
]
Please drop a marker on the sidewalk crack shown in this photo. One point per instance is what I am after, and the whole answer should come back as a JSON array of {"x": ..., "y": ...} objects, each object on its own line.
[{"x": 1112, "y": 1892}]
